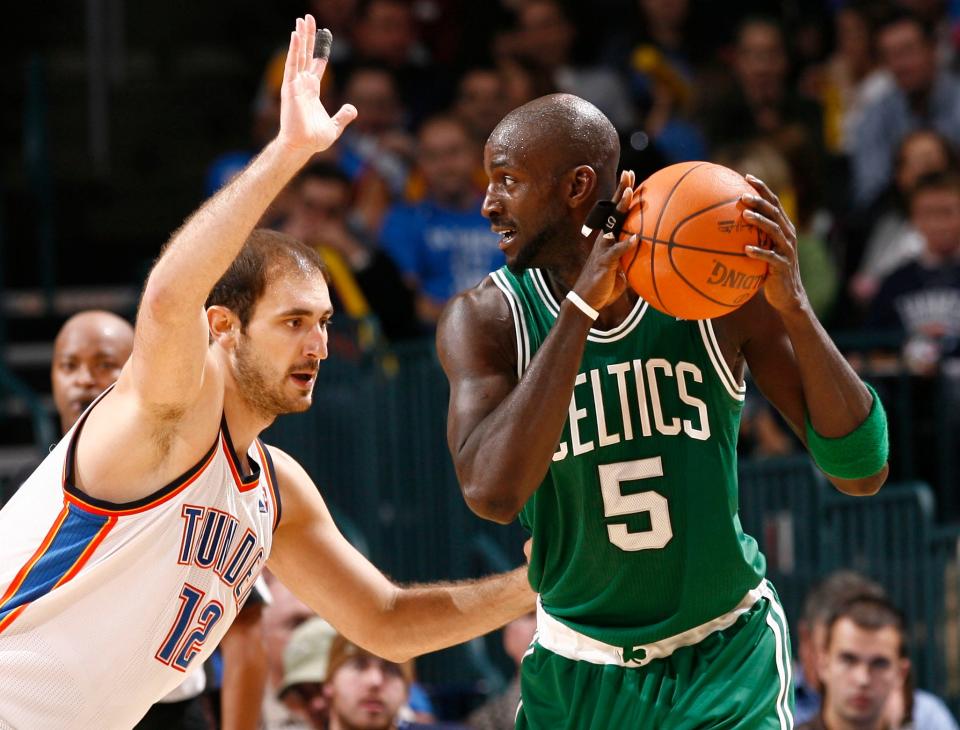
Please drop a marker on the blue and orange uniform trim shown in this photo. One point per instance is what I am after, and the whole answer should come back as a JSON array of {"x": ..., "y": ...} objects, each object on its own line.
[{"x": 67, "y": 546}]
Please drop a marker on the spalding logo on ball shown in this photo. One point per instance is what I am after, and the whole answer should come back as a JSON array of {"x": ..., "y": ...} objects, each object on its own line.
[{"x": 691, "y": 262}]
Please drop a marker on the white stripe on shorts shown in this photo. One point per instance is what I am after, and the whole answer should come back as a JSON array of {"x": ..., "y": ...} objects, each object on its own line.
[{"x": 783, "y": 671}]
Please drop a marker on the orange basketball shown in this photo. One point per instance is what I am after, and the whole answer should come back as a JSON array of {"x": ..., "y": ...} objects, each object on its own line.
[{"x": 690, "y": 262}]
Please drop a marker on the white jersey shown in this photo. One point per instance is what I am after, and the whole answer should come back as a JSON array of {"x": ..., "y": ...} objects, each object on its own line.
[{"x": 104, "y": 608}]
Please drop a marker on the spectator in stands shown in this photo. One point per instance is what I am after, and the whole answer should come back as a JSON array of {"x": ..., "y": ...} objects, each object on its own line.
[
  {"x": 480, "y": 102},
  {"x": 340, "y": 18},
  {"x": 851, "y": 78},
  {"x": 862, "y": 665},
  {"x": 662, "y": 80},
  {"x": 386, "y": 33},
  {"x": 375, "y": 151},
  {"x": 764, "y": 106},
  {"x": 305, "y": 658},
  {"x": 822, "y": 602},
  {"x": 523, "y": 80},
  {"x": 88, "y": 354},
  {"x": 443, "y": 244},
  {"x": 369, "y": 295},
  {"x": 924, "y": 95},
  {"x": 365, "y": 691},
  {"x": 500, "y": 711},
  {"x": 284, "y": 614},
  {"x": 921, "y": 299},
  {"x": 893, "y": 240},
  {"x": 546, "y": 36}
]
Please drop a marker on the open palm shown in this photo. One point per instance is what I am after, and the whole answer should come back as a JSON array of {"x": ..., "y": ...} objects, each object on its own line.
[{"x": 304, "y": 123}]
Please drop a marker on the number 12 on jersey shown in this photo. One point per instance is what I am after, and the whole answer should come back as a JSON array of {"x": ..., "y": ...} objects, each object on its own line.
[
  {"x": 178, "y": 651},
  {"x": 618, "y": 504}
]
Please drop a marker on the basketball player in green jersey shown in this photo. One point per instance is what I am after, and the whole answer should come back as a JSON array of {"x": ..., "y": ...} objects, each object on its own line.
[{"x": 611, "y": 429}]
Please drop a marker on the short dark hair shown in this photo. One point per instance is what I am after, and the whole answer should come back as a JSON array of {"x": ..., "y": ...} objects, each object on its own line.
[
  {"x": 322, "y": 171},
  {"x": 948, "y": 180},
  {"x": 760, "y": 19},
  {"x": 264, "y": 255},
  {"x": 444, "y": 118},
  {"x": 871, "y": 613},
  {"x": 895, "y": 16},
  {"x": 838, "y": 588},
  {"x": 946, "y": 145}
]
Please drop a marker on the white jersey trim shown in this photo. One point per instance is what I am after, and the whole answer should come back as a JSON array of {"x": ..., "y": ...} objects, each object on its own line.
[
  {"x": 617, "y": 333},
  {"x": 519, "y": 323},
  {"x": 736, "y": 390},
  {"x": 556, "y": 636}
]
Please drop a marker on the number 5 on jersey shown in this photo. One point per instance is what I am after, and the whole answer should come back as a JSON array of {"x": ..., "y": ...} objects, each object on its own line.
[{"x": 618, "y": 504}]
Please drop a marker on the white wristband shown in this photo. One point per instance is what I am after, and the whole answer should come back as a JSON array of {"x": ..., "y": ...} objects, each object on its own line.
[{"x": 582, "y": 305}]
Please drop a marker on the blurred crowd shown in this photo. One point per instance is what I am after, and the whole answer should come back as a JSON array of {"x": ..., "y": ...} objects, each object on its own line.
[
  {"x": 850, "y": 111},
  {"x": 852, "y": 117}
]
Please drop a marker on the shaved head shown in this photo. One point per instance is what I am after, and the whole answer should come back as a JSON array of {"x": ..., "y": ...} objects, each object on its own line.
[
  {"x": 548, "y": 162},
  {"x": 564, "y": 131},
  {"x": 88, "y": 354}
]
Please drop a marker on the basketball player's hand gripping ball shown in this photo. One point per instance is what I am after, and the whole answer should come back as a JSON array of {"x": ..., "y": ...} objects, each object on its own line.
[
  {"x": 602, "y": 280},
  {"x": 707, "y": 240},
  {"x": 305, "y": 126}
]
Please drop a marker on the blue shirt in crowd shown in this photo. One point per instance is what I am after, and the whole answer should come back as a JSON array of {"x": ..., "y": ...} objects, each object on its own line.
[{"x": 446, "y": 250}]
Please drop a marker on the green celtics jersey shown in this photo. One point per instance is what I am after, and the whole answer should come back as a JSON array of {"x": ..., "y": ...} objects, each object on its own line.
[{"x": 635, "y": 529}]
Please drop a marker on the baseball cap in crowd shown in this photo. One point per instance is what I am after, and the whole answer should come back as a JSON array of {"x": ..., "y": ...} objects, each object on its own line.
[
  {"x": 342, "y": 650},
  {"x": 305, "y": 660}
]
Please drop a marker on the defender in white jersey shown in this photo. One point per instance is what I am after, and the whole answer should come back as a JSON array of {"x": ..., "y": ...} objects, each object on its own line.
[{"x": 129, "y": 551}]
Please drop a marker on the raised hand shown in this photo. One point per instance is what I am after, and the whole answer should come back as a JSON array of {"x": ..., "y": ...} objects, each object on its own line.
[
  {"x": 602, "y": 281},
  {"x": 305, "y": 126}
]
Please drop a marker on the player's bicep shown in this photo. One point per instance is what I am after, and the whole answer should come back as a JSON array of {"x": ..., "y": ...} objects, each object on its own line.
[
  {"x": 168, "y": 362},
  {"x": 478, "y": 361}
]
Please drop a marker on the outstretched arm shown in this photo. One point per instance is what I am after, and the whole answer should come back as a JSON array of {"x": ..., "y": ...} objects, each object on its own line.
[
  {"x": 790, "y": 355},
  {"x": 500, "y": 461},
  {"x": 312, "y": 557},
  {"x": 171, "y": 332}
]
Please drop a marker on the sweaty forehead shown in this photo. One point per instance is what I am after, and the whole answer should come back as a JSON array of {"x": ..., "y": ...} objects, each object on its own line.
[{"x": 512, "y": 146}]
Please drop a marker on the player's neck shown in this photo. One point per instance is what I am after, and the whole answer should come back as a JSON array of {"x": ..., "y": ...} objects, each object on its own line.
[{"x": 244, "y": 421}]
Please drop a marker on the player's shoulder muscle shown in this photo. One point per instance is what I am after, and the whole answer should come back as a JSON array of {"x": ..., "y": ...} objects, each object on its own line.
[{"x": 476, "y": 330}]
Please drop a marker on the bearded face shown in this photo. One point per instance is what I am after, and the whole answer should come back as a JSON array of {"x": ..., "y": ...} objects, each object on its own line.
[
  {"x": 276, "y": 356},
  {"x": 269, "y": 389}
]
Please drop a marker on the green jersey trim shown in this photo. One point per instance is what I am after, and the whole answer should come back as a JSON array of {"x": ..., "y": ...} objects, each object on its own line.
[
  {"x": 617, "y": 333},
  {"x": 736, "y": 390},
  {"x": 519, "y": 321}
]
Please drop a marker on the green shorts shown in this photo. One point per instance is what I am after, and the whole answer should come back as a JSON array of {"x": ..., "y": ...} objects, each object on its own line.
[{"x": 735, "y": 677}]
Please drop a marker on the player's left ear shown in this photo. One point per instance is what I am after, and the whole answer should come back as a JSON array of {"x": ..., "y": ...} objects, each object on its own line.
[
  {"x": 583, "y": 183},
  {"x": 223, "y": 325}
]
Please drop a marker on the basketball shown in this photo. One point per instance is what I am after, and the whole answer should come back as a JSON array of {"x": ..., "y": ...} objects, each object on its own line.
[{"x": 691, "y": 262}]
